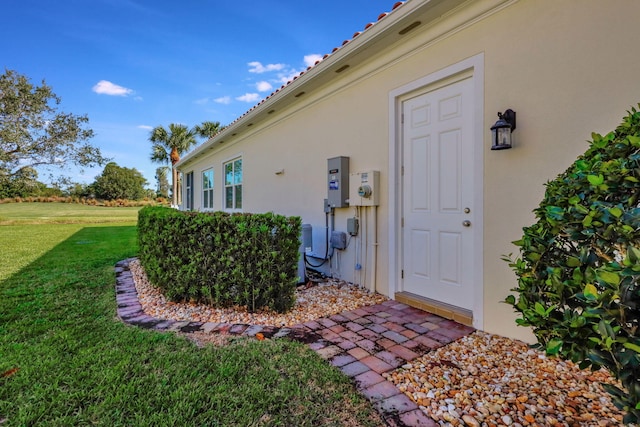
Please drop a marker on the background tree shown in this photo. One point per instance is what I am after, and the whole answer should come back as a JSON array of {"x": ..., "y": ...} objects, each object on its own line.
[
  {"x": 117, "y": 182},
  {"x": 163, "y": 181},
  {"x": 34, "y": 133},
  {"x": 150, "y": 194},
  {"x": 78, "y": 189},
  {"x": 168, "y": 146},
  {"x": 23, "y": 183},
  {"x": 207, "y": 129}
]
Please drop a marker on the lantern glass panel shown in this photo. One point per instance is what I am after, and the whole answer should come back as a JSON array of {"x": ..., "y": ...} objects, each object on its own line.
[{"x": 504, "y": 137}]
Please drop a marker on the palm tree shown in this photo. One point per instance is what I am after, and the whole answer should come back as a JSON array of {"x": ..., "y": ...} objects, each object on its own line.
[
  {"x": 168, "y": 146},
  {"x": 207, "y": 129},
  {"x": 163, "y": 182}
]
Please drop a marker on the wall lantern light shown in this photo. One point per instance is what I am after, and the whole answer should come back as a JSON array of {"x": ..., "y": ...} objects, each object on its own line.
[{"x": 501, "y": 130}]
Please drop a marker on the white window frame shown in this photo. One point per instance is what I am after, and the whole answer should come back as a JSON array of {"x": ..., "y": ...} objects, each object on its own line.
[
  {"x": 233, "y": 185},
  {"x": 207, "y": 193}
]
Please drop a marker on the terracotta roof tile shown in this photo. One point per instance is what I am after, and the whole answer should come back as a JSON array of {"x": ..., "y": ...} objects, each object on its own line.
[{"x": 335, "y": 49}]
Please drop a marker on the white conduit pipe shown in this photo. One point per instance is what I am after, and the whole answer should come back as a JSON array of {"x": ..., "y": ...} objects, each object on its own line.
[{"x": 374, "y": 252}]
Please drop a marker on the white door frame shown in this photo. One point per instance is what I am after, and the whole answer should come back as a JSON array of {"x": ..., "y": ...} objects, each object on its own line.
[{"x": 474, "y": 66}]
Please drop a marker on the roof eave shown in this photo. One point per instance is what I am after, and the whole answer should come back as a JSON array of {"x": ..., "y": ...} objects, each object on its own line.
[{"x": 389, "y": 28}]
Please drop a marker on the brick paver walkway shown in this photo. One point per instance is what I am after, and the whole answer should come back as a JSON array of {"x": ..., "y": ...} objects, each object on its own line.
[{"x": 363, "y": 343}]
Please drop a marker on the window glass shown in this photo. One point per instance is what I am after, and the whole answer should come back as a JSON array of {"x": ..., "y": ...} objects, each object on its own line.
[
  {"x": 189, "y": 188},
  {"x": 237, "y": 171},
  {"x": 207, "y": 179},
  {"x": 228, "y": 174},
  {"x": 229, "y": 198},
  {"x": 238, "y": 190}
]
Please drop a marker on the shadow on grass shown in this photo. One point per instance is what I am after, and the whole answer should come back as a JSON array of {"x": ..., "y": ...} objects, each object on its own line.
[
  {"x": 69, "y": 280},
  {"x": 70, "y": 361}
]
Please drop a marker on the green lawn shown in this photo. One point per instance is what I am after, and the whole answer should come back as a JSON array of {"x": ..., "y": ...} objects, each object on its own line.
[
  {"x": 64, "y": 213},
  {"x": 65, "y": 359}
]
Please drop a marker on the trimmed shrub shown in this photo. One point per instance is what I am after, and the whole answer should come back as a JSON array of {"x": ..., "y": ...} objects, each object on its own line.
[
  {"x": 579, "y": 265},
  {"x": 221, "y": 259}
]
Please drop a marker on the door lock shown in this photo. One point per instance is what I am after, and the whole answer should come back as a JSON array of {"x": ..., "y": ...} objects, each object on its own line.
[
  {"x": 466, "y": 223},
  {"x": 467, "y": 210}
]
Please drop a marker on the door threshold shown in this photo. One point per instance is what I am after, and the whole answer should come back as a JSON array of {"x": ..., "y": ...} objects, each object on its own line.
[{"x": 442, "y": 309}]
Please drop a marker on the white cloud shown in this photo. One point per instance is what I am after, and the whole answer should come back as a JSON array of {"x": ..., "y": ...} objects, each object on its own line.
[
  {"x": 310, "y": 60},
  {"x": 249, "y": 97},
  {"x": 258, "y": 68},
  {"x": 105, "y": 87},
  {"x": 223, "y": 100},
  {"x": 287, "y": 75},
  {"x": 145, "y": 127},
  {"x": 202, "y": 101},
  {"x": 286, "y": 78},
  {"x": 263, "y": 86}
]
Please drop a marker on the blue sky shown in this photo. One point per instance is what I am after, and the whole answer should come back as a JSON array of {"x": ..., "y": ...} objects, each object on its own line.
[{"x": 131, "y": 65}]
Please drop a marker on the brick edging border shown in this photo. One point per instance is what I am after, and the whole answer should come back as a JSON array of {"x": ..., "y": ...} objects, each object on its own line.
[
  {"x": 130, "y": 312},
  {"x": 396, "y": 409}
]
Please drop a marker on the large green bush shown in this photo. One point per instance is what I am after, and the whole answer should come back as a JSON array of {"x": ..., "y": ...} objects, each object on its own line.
[
  {"x": 221, "y": 259},
  {"x": 579, "y": 265}
]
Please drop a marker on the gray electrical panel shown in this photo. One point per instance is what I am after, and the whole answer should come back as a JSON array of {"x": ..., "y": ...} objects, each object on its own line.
[
  {"x": 307, "y": 238},
  {"x": 338, "y": 182},
  {"x": 339, "y": 240}
]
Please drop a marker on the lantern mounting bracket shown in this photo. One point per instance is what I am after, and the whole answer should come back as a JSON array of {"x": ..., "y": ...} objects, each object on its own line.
[{"x": 509, "y": 116}]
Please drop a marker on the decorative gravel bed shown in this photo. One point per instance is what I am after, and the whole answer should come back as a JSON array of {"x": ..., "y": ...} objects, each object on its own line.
[
  {"x": 313, "y": 302},
  {"x": 480, "y": 380},
  {"x": 488, "y": 380}
]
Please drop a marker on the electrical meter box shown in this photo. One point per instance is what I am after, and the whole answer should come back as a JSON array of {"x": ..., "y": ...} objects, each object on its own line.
[
  {"x": 364, "y": 188},
  {"x": 338, "y": 182}
]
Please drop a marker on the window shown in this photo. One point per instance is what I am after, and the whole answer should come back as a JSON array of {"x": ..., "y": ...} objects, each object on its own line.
[
  {"x": 233, "y": 184},
  {"x": 207, "y": 189},
  {"x": 189, "y": 191}
]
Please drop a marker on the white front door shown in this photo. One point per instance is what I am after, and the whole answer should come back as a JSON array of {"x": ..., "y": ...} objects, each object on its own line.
[{"x": 438, "y": 193}]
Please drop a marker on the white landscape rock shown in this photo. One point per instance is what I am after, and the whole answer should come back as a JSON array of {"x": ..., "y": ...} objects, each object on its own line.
[{"x": 484, "y": 379}]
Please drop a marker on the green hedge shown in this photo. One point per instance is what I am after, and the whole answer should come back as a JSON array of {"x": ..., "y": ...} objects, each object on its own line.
[
  {"x": 221, "y": 259},
  {"x": 579, "y": 265}
]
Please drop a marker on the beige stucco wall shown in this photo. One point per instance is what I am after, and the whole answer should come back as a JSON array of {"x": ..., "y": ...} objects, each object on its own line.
[
  {"x": 568, "y": 73},
  {"x": 329, "y": 130},
  {"x": 567, "y": 67}
]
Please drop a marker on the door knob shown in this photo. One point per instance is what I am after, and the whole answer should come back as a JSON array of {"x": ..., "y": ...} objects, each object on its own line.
[{"x": 466, "y": 223}]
